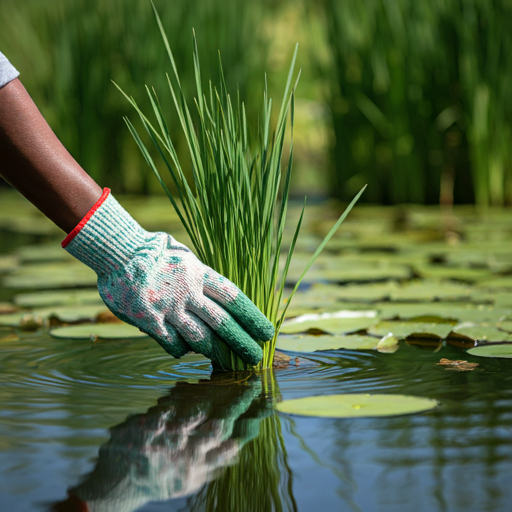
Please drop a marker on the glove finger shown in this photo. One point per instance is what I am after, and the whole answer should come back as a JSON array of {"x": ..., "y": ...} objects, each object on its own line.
[
  {"x": 229, "y": 330},
  {"x": 168, "y": 338},
  {"x": 237, "y": 304},
  {"x": 197, "y": 334}
]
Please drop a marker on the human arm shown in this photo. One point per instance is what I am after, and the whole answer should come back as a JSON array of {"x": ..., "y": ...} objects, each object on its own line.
[
  {"x": 34, "y": 161},
  {"x": 147, "y": 279}
]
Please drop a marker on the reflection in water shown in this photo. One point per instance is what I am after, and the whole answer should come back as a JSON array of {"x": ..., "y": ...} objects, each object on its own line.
[{"x": 218, "y": 436}]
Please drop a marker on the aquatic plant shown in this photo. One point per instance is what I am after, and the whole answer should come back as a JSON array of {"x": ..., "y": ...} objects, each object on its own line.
[
  {"x": 234, "y": 209},
  {"x": 420, "y": 100}
]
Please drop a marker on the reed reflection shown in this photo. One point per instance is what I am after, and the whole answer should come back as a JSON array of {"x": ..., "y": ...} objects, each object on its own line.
[{"x": 185, "y": 444}]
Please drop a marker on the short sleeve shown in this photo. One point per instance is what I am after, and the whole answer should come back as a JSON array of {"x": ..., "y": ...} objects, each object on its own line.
[{"x": 7, "y": 71}]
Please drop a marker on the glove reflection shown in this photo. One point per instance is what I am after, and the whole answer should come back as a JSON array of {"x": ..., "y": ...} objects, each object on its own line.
[{"x": 175, "y": 447}]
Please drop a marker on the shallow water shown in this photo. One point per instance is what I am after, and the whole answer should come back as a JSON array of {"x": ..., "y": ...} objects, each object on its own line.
[
  {"x": 215, "y": 445},
  {"x": 119, "y": 426}
]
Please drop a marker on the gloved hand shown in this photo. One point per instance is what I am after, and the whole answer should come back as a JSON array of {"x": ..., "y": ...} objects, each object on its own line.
[{"x": 155, "y": 283}]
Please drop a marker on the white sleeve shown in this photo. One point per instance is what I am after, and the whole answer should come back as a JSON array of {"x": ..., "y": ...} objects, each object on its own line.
[{"x": 7, "y": 71}]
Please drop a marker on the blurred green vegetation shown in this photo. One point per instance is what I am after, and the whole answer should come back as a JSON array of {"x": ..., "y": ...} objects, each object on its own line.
[
  {"x": 420, "y": 99},
  {"x": 412, "y": 98}
]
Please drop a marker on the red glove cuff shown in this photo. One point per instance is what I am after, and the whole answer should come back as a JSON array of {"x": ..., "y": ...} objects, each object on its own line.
[{"x": 83, "y": 222}]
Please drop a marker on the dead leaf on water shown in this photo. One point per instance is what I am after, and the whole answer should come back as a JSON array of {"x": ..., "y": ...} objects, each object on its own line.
[{"x": 457, "y": 365}]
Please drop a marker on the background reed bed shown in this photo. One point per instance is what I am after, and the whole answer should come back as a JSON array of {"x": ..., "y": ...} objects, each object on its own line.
[{"x": 411, "y": 97}]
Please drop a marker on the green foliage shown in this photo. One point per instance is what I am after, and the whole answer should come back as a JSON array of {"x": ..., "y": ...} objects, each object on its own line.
[
  {"x": 68, "y": 51},
  {"x": 234, "y": 209},
  {"x": 420, "y": 99}
]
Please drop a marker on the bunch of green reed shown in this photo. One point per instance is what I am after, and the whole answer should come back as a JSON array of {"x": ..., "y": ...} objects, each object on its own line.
[
  {"x": 234, "y": 209},
  {"x": 68, "y": 51}
]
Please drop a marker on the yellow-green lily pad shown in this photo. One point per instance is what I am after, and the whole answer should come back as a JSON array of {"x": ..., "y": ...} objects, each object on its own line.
[
  {"x": 504, "y": 350},
  {"x": 402, "y": 330},
  {"x": 430, "y": 290},
  {"x": 43, "y": 253},
  {"x": 339, "y": 322},
  {"x": 98, "y": 331},
  {"x": 357, "y": 405},
  {"x": 457, "y": 311},
  {"x": 482, "y": 332},
  {"x": 325, "y": 342},
  {"x": 51, "y": 275},
  {"x": 58, "y": 298},
  {"x": 8, "y": 264},
  {"x": 63, "y": 314}
]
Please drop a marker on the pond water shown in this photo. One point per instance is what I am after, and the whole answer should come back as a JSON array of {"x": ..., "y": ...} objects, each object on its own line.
[{"x": 117, "y": 425}]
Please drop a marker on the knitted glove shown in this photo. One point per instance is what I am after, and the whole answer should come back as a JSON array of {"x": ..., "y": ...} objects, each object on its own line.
[
  {"x": 155, "y": 283},
  {"x": 173, "y": 449}
]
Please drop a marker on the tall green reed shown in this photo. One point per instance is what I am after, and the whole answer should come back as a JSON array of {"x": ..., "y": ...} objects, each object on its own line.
[
  {"x": 234, "y": 208},
  {"x": 419, "y": 98}
]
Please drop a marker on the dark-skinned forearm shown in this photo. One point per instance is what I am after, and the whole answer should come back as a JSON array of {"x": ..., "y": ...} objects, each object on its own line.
[{"x": 33, "y": 160}]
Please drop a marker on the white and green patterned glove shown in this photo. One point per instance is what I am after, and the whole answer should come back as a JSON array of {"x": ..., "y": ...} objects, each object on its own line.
[{"x": 155, "y": 283}]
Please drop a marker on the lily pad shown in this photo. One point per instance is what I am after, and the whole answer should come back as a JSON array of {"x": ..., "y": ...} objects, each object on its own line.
[
  {"x": 8, "y": 264},
  {"x": 98, "y": 331},
  {"x": 356, "y": 405},
  {"x": 469, "y": 275},
  {"x": 51, "y": 276},
  {"x": 402, "y": 330},
  {"x": 482, "y": 332},
  {"x": 504, "y": 350},
  {"x": 366, "y": 293},
  {"x": 58, "y": 298},
  {"x": 430, "y": 290},
  {"x": 339, "y": 322},
  {"x": 43, "y": 252},
  {"x": 63, "y": 314},
  {"x": 443, "y": 310},
  {"x": 325, "y": 342}
]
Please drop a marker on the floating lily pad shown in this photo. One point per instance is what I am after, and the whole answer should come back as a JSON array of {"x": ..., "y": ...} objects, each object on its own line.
[
  {"x": 325, "y": 342},
  {"x": 340, "y": 322},
  {"x": 356, "y": 405},
  {"x": 366, "y": 293},
  {"x": 98, "y": 331},
  {"x": 482, "y": 332},
  {"x": 505, "y": 326},
  {"x": 8, "y": 308},
  {"x": 43, "y": 252},
  {"x": 51, "y": 276},
  {"x": 430, "y": 290},
  {"x": 504, "y": 351},
  {"x": 63, "y": 314},
  {"x": 443, "y": 310},
  {"x": 58, "y": 298},
  {"x": 470, "y": 275},
  {"x": 402, "y": 330},
  {"x": 8, "y": 264}
]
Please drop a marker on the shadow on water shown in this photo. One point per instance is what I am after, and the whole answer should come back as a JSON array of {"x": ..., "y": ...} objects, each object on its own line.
[{"x": 218, "y": 441}]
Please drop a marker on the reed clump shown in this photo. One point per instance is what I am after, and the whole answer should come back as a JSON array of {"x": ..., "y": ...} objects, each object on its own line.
[
  {"x": 420, "y": 100},
  {"x": 234, "y": 206}
]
